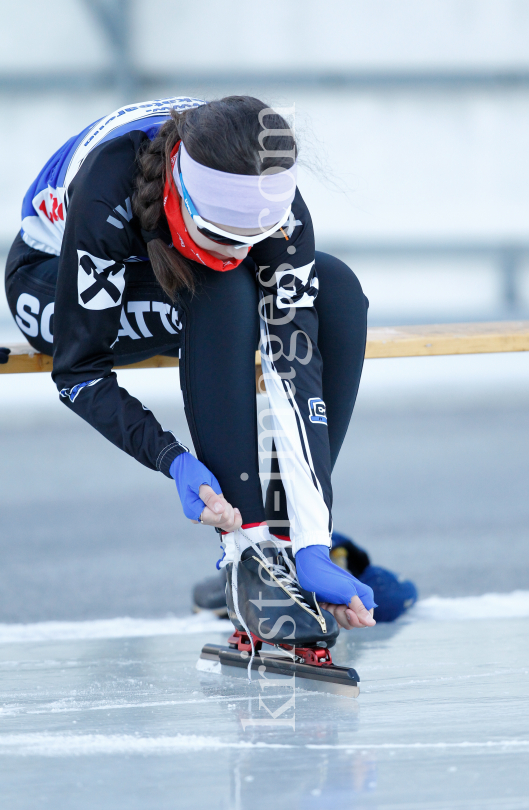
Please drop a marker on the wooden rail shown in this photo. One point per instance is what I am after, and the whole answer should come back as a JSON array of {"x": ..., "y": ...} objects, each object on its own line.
[{"x": 382, "y": 341}]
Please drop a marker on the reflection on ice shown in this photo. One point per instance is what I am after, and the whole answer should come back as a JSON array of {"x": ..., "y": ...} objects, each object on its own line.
[{"x": 441, "y": 721}]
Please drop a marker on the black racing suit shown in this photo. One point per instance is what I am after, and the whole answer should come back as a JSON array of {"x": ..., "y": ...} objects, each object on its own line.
[{"x": 101, "y": 305}]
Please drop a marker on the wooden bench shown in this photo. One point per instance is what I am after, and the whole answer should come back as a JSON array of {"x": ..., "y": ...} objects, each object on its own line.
[{"x": 382, "y": 341}]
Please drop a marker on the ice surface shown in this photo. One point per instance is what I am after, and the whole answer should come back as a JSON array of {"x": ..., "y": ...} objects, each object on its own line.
[
  {"x": 91, "y": 719},
  {"x": 112, "y": 628},
  {"x": 435, "y": 608},
  {"x": 486, "y": 606}
]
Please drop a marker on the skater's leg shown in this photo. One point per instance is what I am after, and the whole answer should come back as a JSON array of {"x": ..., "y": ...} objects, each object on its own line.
[
  {"x": 342, "y": 323},
  {"x": 30, "y": 280},
  {"x": 342, "y": 316},
  {"x": 342, "y": 313},
  {"x": 217, "y": 372}
]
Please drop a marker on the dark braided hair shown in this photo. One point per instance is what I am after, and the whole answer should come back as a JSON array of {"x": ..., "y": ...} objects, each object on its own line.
[{"x": 230, "y": 135}]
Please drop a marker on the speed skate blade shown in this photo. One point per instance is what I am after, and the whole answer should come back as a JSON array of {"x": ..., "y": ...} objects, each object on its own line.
[
  {"x": 206, "y": 665},
  {"x": 274, "y": 667}
]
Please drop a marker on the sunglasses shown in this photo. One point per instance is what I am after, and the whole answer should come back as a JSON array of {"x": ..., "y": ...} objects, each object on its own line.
[{"x": 217, "y": 234}]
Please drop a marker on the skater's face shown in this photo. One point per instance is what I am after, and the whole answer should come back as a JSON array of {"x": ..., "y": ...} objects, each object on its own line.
[{"x": 217, "y": 250}]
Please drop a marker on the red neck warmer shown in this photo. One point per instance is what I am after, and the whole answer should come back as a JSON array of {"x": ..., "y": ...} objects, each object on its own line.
[{"x": 181, "y": 239}]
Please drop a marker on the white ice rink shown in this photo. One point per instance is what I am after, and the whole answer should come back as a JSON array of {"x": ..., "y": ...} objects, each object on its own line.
[{"x": 113, "y": 714}]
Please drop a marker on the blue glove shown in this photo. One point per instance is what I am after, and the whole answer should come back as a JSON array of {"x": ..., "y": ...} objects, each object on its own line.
[
  {"x": 330, "y": 583},
  {"x": 4, "y": 354},
  {"x": 189, "y": 474}
]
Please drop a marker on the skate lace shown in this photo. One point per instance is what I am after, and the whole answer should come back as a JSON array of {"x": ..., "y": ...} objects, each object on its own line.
[
  {"x": 284, "y": 573},
  {"x": 235, "y": 595}
]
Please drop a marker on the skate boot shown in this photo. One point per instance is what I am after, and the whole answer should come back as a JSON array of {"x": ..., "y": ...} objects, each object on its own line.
[
  {"x": 265, "y": 599},
  {"x": 268, "y": 607}
]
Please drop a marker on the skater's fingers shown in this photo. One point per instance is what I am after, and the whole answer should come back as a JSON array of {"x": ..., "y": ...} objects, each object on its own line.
[
  {"x": 348, "y": 618},
  {"x": 345, "y": 617},
  {"x": 217, "y": 503},
  {"x": 237, "y": 521},
  {"x": 209, "y": 518},
  {"x": 229, "y": 520},
  {"x": 365, "y": 616},
  {"x": 233, "y": 524},
  {"x": 218, "y": 512}
]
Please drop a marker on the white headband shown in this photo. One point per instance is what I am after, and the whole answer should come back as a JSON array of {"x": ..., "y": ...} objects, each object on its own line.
[{"x": 237, "y": 200}]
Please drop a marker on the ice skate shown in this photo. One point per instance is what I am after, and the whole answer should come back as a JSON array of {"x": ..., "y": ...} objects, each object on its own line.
[
  {"x": 280, "y": 629},
  {"x": 265, "y": 598},
  {"x": 392, "y": 595}
]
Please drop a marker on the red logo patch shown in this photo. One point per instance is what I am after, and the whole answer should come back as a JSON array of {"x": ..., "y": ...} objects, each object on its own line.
[{"x": 57, "y": 211}]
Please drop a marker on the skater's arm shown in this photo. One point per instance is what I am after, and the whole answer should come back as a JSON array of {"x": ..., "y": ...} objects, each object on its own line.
[{"x": 93, "y": 273}]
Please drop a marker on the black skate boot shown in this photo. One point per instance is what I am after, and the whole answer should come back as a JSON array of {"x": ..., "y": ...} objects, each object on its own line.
[
  {"x": 268, "y": 607},
  {"x": 265, "y": 599}
]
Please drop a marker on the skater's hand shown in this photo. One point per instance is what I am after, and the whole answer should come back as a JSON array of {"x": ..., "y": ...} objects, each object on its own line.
[
  {"x": 218, "y": 511},
  {"x": 347, "y": 598},
  {"x": 354, "y": 615},
  {"x": 201, "y": 495}
]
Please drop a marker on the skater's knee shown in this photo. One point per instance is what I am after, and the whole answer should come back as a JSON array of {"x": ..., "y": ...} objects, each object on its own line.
[
  {"x": 237, "y": 287},
  {"x": 337, "y": 279},
  {"x": 228, "y": 299}
]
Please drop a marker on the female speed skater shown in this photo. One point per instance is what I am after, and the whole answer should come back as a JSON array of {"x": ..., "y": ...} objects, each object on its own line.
[{"x": 176, "y": 227}]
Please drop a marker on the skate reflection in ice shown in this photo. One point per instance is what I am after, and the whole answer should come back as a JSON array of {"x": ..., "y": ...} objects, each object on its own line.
[
  {"x": 325, "y": 780},
  {"x": 282, "y": 714},
  {"x": 309, "y": 719}
]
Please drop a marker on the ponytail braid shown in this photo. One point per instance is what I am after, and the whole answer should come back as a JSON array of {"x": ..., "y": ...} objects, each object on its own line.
[{"x": 173, "y": 272}]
